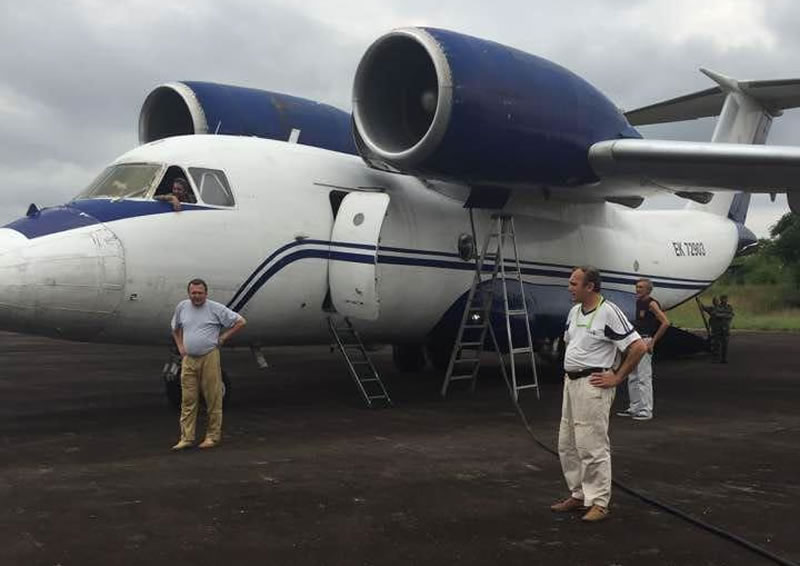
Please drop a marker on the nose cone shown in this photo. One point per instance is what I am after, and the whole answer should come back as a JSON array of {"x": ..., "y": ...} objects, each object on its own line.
[{"x": 65, "y": 284}]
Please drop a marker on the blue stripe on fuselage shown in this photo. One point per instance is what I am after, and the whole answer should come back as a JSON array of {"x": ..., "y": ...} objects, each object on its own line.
[
  {"x": 264, "y": 272},
  {"x": 109, "y": 210},
  {"x": 80, "y": 213}
]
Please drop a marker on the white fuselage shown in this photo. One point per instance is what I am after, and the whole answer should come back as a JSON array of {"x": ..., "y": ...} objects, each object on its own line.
[{"x": 268, "y": 256}]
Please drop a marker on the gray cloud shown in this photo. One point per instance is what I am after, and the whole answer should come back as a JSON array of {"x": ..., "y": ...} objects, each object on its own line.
[{"x": 73, "y": 74}]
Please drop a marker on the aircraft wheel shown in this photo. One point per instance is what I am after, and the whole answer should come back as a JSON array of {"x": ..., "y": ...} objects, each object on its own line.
[
  {"x": 409, "y": 357},
  {"x": 439, "y": 355},
  {"x": 172, "y": 388}
]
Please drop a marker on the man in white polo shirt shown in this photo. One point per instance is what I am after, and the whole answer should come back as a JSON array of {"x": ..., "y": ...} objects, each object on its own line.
[{"x": 597, "y": 331}]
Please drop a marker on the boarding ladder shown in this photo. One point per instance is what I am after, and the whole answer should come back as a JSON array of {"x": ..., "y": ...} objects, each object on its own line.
[
  {"x": 358, "y": 362},
  {"x": 465, "y": 359}
]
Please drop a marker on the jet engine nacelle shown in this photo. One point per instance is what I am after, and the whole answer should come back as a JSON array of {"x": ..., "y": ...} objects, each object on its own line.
[
  {"x": 183, "y": 108},
  {"x": 440, "y": 104}
]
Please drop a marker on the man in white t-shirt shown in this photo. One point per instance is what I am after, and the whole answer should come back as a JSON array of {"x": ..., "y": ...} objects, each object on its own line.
[{"x": 597, "y": 331}]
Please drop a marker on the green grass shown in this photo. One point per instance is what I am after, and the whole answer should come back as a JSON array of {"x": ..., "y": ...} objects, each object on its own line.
[{"x": 757, "y": 307}]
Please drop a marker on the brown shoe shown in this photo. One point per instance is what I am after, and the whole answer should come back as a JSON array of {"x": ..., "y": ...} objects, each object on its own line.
[
  {"x": 569, "y": 504},
  {"x": 183, "y": 445},
  {"x": 207, "y": 443},
  {"x": 596, "y": 513}
]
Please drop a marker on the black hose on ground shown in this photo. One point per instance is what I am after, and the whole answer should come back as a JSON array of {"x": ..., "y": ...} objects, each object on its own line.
[{"x": 761, "y": 551}]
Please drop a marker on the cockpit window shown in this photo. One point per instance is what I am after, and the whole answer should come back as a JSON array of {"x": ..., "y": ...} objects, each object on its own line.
[
  {"x": 128, "y": 180},
  {"x": 212, "y": 186},
  {"x": 165, "y": 186}
]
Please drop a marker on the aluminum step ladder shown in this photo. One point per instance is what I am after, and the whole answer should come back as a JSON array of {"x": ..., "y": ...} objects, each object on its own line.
[
  {"x": 358, "y": 362},
  {"x": 465, "y": 360}
]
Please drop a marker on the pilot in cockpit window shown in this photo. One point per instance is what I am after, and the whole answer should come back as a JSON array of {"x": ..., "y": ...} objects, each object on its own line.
[{"x": 181, "y": 192}]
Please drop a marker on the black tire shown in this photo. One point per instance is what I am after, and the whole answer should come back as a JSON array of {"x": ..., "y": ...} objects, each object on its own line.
[
  {"x": 172, "y": 389},
  {"x": 439, "y": 354},
  {"x": 409, "y": 357},
  {"x": 227, "y": 390}
]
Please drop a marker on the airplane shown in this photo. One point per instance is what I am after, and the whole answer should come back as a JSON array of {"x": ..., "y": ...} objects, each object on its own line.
[{"x": 302, "y": 211}]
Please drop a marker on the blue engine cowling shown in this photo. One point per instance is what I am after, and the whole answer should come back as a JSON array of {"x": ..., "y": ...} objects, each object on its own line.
[
  {"x": 183, "y": 108},
  {"x": 440, "y": 104}
]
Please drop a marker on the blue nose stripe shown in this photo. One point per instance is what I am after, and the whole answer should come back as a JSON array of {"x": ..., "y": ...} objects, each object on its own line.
[
  {"x": 51, "y": 221},
  {"x": 80, "y": 213}
]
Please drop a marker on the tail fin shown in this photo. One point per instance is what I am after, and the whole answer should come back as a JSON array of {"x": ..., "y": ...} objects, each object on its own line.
[
  {"x": 745, "y": 110},
  {"x": 743, "y": 119}
]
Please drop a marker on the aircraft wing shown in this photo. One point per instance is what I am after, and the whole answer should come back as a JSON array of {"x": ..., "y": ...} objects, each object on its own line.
[{"x": 718, "y": 166}]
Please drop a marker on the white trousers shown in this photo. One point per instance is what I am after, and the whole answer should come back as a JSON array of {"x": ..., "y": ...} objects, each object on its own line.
[
  {"x": 640, "y": 387},
  {"x": 583, "y": 445}
]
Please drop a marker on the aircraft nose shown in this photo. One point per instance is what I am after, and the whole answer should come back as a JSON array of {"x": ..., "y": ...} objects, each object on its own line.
[{"x": 65, "y": 284}]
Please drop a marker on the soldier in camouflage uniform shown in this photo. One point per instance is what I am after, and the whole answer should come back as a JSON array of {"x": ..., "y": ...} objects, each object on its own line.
[{"x": 721, "y": 316}]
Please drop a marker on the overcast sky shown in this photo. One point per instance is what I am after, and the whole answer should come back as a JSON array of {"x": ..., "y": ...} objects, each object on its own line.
[{"x": 73, "y": 74}]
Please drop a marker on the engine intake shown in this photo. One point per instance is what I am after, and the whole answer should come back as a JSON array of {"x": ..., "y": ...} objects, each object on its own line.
[
  {"x": 440, "y": 104},
  {"x": 185, "y": 108}
]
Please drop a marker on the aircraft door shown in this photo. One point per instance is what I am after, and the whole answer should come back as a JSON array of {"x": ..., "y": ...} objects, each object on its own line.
[{"x": 352, "y": 273}]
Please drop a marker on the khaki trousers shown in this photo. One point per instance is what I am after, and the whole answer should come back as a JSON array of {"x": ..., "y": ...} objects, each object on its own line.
[
  {"x": 201, "y": 372},
  {"x": 583, "y": 445}
]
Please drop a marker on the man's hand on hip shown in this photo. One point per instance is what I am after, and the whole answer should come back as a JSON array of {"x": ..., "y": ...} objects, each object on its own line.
[{"x": 605, "y": 380}]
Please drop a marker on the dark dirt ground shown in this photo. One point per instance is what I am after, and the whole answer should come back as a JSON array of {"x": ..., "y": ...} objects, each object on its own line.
[{"x": 305, "y": 475}]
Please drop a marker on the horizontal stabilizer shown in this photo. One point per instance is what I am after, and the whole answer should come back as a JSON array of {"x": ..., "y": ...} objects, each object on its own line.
[
  {"x": 738, "y": 167},
  {"x": 774, "y": 96}
]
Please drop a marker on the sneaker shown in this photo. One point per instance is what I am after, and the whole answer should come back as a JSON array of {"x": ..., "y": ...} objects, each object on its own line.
[
  {"x": 595, "y": 514},
  {"x": 183, "y": 445},
  {"x": 207, "y": 443},
  {"x": 641, "y": 417},
  {"x": 569, "y": 504},
  {"x": 625, "y": 413}
]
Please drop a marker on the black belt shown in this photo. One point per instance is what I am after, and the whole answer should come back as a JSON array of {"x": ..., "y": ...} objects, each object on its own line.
[{"x": 584, "y": 372}]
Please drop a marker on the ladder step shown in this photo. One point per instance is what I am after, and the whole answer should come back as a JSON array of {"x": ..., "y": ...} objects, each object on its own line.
[
  {"x": 517, "y": 312},
  {"x": 467, "y": 360},
  {"x": 529, "y": 386},
  {"x": 359, "y": 364},
  {"x": 474, "y": 326},
  {"x": 460, "y": 377},
  {"x": 523, "y": 350},
  {"x": 471, "y": 344}
]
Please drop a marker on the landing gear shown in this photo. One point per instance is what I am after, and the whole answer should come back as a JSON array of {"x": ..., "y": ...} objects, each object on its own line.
[
  {"x": 409, "y": 357},
  {"x": 172, "y": 386},
  {"x": 439, "y": 354}
]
